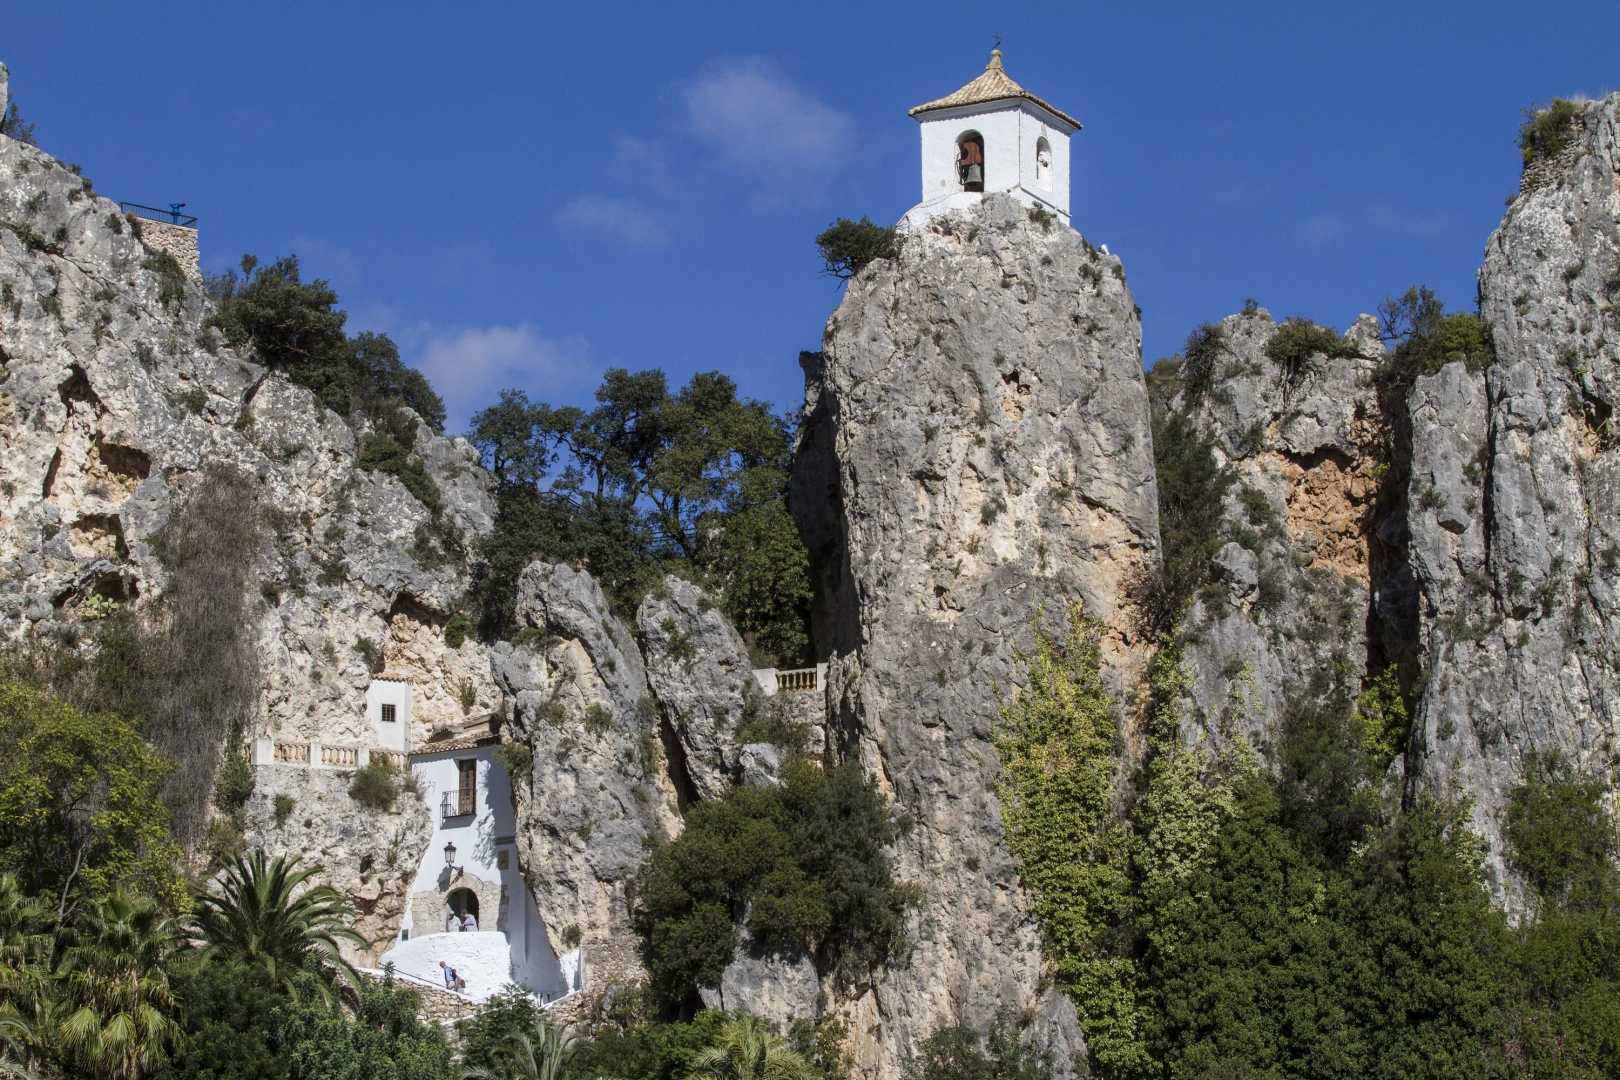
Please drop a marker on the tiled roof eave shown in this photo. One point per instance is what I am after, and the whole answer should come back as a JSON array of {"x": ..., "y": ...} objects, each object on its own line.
[{"x": 947, "y": 103}]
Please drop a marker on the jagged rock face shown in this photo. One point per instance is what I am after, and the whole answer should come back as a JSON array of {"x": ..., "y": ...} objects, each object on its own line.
[
  {"x": 1294, "y": 585},
  {"x": 1515, "y": 485},
  {"x": 370, "y": 856},
  {"x": 699, "y": 670},
  {"x": 977, "y": 456},
  {"x": 117, "y": 397}
]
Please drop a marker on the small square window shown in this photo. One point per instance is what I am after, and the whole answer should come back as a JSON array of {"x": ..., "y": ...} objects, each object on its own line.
[{"x": 388, "y": 714}]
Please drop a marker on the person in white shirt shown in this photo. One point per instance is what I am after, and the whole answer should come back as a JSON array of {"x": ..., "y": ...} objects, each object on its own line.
[{"x": 470, "y": 923}]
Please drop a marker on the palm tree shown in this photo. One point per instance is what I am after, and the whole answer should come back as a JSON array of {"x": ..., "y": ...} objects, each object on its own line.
[
  {"x": 261, "y": 916},
  {"x": 746, "y": 1049},
  {"x": 544, "y": 1052},
  {"x": 116, "y": 1008},
  {"x": 16, "y": 1036}
]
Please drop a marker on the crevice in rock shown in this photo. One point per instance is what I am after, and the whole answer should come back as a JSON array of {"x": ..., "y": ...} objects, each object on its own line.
[
  {"x": 414, "y": 609},
  {"x": 99, "y": 534},
  {"x": 76, "y": 387},
  {"x": 50, "y": 473}
]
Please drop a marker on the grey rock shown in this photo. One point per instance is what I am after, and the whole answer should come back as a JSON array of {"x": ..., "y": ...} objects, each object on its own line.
[
  {"x": 777, "y": 987},
  {"x": 698, "y": 668},
  {"x": 1516, "y": 476},
  {"x": 5, "y": 89},
  {"x": 1239, "y": 568},
  {"x": 976, "y": 457},
  {"x": 760, "y": 764}
]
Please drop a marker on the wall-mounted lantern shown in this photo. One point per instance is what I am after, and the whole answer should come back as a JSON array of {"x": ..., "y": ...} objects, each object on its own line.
[{"x": 450, "y": 854}]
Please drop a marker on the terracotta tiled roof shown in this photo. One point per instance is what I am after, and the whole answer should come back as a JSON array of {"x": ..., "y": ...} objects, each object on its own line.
[
  {"x": 994, "y": 85},
  {"x": 480, "y": 731}
]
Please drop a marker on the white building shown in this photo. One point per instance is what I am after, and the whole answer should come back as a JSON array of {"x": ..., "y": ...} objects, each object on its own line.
[
  {"x": 471, "y": 868},
  {"x": 992, "y": 136}
]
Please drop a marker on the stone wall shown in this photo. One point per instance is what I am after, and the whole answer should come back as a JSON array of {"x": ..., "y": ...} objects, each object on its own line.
[
  {"x": 178, "y": 240},
  {"x": 429, "y": 907}
]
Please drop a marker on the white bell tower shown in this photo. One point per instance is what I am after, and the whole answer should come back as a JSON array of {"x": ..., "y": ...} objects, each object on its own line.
[{"x": 992, "y": 136}]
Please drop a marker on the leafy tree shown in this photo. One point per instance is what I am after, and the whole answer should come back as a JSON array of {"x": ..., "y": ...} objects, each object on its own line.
[
  {"x": 539, "y": 1050},
  {"x": 958, "y": 1052},
  {"x": 1425, "y": 338},
  {"x": 80, "y": 804},
  {"x": 848, "y": 247},
  {"x": 117, "y": 1010},
  {"x": 745, "y": 1048},
  {"x": 648, "y": 482},
  {"x": 295, "y": 326},
  {"x": 1548, "y": 130},
  {"x": 13, "y": 126},
  {"x": 266, "y": 914},
  {"x": 806, "y": 862},
  {"x": 1192, "y": 488}
]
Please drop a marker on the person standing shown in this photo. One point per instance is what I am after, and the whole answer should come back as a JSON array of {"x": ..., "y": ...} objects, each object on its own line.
[{"x": 469, "y": 924}]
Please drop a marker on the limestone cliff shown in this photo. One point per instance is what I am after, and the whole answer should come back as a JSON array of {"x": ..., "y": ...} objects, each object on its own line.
[
  {"x": 976, "y": 458},
  {"x": 1515, "y": 488}
]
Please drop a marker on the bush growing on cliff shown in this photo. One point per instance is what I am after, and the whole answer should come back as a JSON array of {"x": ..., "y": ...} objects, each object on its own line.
[
  {"x": 649, "y": 481},
  {"x": 804, "y": 865},
  {"x": 13, "y": 126},
  {"x": 848, "y": 247},
  {"x": 375, "y": 785},
  {"x": 1426, "y": 339},
  {"x": 1548, "y": 130},
  {"x": 1192, "y": 487},
  {"x": 295, "y": 326},
  {"x": 1296, "y": 341}
]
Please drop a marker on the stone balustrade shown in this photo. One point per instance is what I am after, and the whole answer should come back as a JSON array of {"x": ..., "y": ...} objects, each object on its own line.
[
  {"x": 775, "y": 681},
  {"x": 315, "y": 754}
]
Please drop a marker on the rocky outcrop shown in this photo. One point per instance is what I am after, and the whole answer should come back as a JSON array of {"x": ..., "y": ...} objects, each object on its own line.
[
  {"x": 976, "y": 457},
  {"x": 1515, "y": 481},
  {"x": 595, "y": 786},
  {"x": 370, "y": 855},
  {"x": 1290, "y": 614},
  {"x": 119, "y": 400},
  {"x": 699, "y": 671}
]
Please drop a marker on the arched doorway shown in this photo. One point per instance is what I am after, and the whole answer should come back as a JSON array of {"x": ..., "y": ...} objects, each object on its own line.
[
  {"x": 461, "y": 902},
  {"x": 970, "y": 160}
]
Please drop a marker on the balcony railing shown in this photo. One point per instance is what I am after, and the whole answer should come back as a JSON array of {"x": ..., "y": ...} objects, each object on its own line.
[
  {"x": 458, "y": 803},
  {"x": 799, "y": 680}
]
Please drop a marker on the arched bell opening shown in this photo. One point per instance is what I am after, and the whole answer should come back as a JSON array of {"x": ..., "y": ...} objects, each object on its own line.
[{"x": 970, "y": 160}]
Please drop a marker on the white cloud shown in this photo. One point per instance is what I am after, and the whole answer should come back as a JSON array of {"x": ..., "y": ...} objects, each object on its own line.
[
  {"x": 469, "y": 367},
  {"x": 617, "y": 219},
  {"x": 755, "y": 119}
]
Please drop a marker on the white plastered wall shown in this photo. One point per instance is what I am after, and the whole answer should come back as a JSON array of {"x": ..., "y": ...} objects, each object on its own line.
[
  {"x": 1011, "y": 131},
  {"x": 389, "y": 735},
  {"x": 481, "y": 839}
]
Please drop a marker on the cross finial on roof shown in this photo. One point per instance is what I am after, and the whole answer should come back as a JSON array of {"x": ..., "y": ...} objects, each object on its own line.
[{"x": 995, "y": 56}]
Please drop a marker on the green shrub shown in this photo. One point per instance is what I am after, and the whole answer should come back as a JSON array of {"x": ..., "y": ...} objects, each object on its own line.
[
  {"x": 457, "y": 629},
  {"x": 376, "y": 785},
  {"x": 960, "y": 1053},
  {"x": 285, "y": 804},
  {"x": 171, "y": 279},
  {"x": 807, "y": 862},
  {"x": 1201, "y": 355},
  {"x": 233, "y": 782},
  {"x": 1426, "y": 339},
  {"x": 1560, "y": 836},
  {"x": 1297, "y": 340},
  {"x": 848, "y": 247},
  {"x": 1192, "y": 487},
  {"x": 381, "y": 452},
  {"x": 1548, "y": 130}
]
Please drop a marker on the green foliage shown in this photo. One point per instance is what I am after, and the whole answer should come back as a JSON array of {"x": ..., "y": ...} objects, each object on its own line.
[
  {"x": 847, "y": 247},
  {"x": 529, "y": 1046},
  {"x": 13, "y": 126},
  {"x": 457, "y": 629},
  {"x": 171, "y": 279},
  {"x": 375, "y": 785},
  {"x": 296, "y": 327},
  {"x": 382, "y": 452},
  {"x": 1058, "y": 741},
  {"x": 960, "y": 1053},
  {"x": 266, "y": 914},
  {"x": 745, "y": 1048},
  {"x": 1561, "y": 838},
  {"x": 114, "y": 1012},
  {"x": 1200, "y": 365},
  {"x": 1384, "y": 719},
  {"x": 1192, "y": 487},
  {"x": 1296, "y": 341},
  {"x": 1425, "y": 338},
  {"x": 80, "y": 805},
  {"x": 518, "y": 760},
  {"x": 648, "y": 482},
  {"x": 1548, "y": 130},
  {"x": 807, "y": 863},
  {"x": 242, "y": 1026},
  {"x": 285, "y": 804}
]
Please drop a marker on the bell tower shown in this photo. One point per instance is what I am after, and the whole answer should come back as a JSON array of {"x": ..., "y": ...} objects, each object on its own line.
[{"x": 992, "y": 136}]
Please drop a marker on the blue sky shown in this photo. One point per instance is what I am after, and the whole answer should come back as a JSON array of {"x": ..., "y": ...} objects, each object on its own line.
[{"x": 526, "y": 194}]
